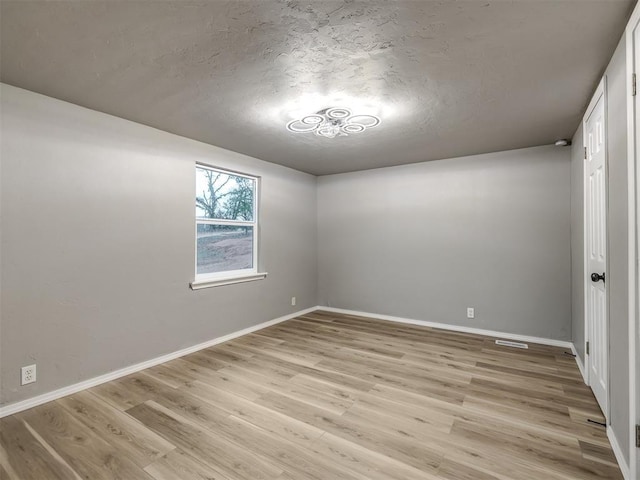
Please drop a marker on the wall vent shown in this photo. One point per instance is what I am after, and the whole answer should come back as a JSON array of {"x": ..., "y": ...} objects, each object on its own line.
[{"x": 507, "y": 343}]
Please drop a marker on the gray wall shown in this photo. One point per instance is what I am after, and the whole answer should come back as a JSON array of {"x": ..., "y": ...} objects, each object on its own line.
[
  {"x": 424, "y": 241},
  {"x": 98, "y": 244},
  {"x": 617, "y": 272}
]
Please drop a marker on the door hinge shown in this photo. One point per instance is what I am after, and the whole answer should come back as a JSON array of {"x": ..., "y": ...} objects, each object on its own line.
[
  {"x": 587, "y": 348},
  {"x": 637, "y": 436},
  {"x": 633, "y": 84},
  {"x": 585, "y": 153}
]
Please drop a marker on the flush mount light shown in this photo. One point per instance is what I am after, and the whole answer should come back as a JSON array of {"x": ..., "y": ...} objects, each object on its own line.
[
  {"x": 332, "y": 122},
  {"x": 337, "y": 113},
  {"x": 312, "y": 119},
  {"x": 353, "y": 128}
]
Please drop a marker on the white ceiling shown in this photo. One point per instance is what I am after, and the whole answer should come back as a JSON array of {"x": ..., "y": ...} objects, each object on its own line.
[{"x": 448, "y": 78}]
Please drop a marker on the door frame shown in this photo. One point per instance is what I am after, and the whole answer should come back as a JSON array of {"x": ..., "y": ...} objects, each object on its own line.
[
  {"x": 600, "y": 92},
  {"x": 633, "y": 224}
]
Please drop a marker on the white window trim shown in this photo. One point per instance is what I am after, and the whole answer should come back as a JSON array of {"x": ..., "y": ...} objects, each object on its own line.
[
  {"x": 213, "y": 282},
  {"x": 230, "y": 277}
]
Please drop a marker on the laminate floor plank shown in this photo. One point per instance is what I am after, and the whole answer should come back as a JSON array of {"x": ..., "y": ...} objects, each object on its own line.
[
  {"x": 25, "y": 457},
  {"x": 180, "y": 465},
  {"x": 6, "y": 472},
  {"x": 251, "y": 412},
  {"x": 587, "y": 432},
  {"x": 116, "y": 427},
  {"x": 171, "y": 374},
  {"x": 232, "y": 460},
  {"x": 452, "y": 470},
  {"x": 598, "y": 453},
  {"x": 117, "y": 394},
  {"x": 223, "y": 378},
  {"x": 370, "y": 463},
  {"x": 208, "y": 360},
  {"x": 425, "y": 410},
  {"x": 369, "y": 434},
  {"x": 277, "y": 451},
  {"x": 287, "y": 354},
  {"x": 90, "y": 455},
  {"x": 325, "y": 396},
  {"x": 555, "y": 459},
  {"x": 290, "y": 370}
]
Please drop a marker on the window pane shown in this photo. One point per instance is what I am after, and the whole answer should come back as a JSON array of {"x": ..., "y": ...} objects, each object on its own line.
[
  {"x": 225, "y": 196},
  {"x": 224, "y": 247}
]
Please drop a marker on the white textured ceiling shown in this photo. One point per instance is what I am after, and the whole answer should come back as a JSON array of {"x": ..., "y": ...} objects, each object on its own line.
[{"x": 448, "y": 78}]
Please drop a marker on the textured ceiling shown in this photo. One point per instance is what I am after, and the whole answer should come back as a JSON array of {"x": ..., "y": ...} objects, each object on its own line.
[{"x": 448, "y": 78}]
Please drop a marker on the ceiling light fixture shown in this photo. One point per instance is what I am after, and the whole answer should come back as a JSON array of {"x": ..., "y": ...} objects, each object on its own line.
[{"x": 331, "y": 122}]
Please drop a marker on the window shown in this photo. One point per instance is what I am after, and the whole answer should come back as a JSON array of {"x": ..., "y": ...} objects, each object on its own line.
[{"x": 226, "y": 227}]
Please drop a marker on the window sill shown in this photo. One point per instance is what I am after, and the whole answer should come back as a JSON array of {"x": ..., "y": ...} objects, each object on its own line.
[{"x": 218, "y": 282}]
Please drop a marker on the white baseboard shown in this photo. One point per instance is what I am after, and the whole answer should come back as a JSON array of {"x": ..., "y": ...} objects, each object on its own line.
[
  {"x": 580, "y": 364},
  {"x": 615, "y": 446},
  {"x": 455, "y": 328},
  {"x": 107, "y": 377}
]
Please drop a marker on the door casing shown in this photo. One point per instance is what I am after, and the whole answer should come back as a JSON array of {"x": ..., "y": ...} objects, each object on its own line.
[{"x": 632, "y": 34}]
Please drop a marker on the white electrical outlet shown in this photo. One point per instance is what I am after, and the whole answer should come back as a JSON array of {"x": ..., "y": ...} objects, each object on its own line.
[
  {"x": 28, "y": 374},
  {"x": 293, "y": 301},
  {"x": 471, "y": 312}
]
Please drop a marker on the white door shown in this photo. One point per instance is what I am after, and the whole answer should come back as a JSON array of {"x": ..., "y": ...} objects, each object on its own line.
[{"x": 596, "y": 244}]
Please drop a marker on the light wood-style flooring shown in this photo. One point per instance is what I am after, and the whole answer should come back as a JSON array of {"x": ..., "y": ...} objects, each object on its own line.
[{"x": 325, "y": 396}]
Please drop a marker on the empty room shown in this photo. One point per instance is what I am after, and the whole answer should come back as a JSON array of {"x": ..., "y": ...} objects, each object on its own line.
[{"x": 319, "y": 240}]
